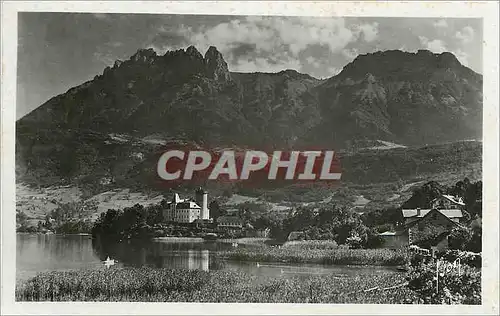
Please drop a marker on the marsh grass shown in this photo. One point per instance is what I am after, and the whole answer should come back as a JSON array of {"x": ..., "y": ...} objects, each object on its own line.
[
  {"x": 162, "y": 285},
  {"x": 307, "y": 254},
  {"x": 310, "y": 244}
]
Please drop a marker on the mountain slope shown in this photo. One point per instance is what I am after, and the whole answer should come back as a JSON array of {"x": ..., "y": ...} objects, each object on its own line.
[
  {"x": 181, "y": 94},
  {"x": 407, "y": 98},
  {"x": 412, "y": 98}
]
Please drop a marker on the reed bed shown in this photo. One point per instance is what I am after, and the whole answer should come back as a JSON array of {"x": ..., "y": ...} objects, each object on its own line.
[
  {"x": 163, "y": 285},
  {"x": 338, "y": 256},
  {"x": 311, "y": 244},
  {"x": 251, "y": 241}
]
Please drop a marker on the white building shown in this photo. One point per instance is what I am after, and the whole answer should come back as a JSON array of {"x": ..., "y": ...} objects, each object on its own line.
[{"x": 187, "y": 211}]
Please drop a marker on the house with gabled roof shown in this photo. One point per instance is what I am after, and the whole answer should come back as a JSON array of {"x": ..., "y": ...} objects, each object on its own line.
[
  {"x": 434, "y": 227},
  {"x": 449, "y": 206},
  {"x": 412, "y": 215},
  {"x": 430, "y": 227},
  {"x": 447, "y": 202}
]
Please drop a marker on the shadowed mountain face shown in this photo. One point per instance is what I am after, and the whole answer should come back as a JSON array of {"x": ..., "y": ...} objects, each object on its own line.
[
  {"x": 409, "y": 98},
  {"x": 183, "y": 95}
]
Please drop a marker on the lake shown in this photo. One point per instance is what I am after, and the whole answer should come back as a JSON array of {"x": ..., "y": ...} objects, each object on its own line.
[{"x": 39, "y": 253}]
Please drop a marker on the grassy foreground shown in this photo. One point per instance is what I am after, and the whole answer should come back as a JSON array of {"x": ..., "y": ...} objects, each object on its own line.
[
  {"x": 164, "y": 285},
  {"x": 320, "y": 255}
]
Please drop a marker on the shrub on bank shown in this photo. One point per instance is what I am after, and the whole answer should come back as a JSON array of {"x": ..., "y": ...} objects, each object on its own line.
[
  {"x": 446, "y": 286},
  {"x": 466, "y": 257}
]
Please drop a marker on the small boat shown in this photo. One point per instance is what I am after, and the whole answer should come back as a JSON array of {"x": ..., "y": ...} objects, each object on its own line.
[{"x": 109, "y": 262}]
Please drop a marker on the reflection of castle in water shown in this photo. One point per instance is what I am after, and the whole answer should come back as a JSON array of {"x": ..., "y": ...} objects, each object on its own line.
[
  {"x": 190, "y": 259},
  {"x": 159, "y": 255},
  {"x": 177, "y": 257}
]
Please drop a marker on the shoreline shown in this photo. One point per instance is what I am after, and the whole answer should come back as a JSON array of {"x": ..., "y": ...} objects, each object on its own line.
[
  {"x": 393, "y": 268},
  {"x": 54, "y": 234},
  {"x": 178, "y": 239}
]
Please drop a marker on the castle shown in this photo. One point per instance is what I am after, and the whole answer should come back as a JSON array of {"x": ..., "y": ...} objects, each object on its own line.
[{"x": 186, "y": 210}]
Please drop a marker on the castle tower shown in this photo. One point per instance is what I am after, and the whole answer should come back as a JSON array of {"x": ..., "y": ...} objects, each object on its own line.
[{"x": 202, "y": 201}]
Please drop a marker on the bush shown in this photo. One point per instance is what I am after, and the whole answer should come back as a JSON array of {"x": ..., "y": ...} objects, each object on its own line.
[
  {"x": 466, "y": 257},
  {"x": 460, "y": 238},
  {"x": 447, "y": 287}
]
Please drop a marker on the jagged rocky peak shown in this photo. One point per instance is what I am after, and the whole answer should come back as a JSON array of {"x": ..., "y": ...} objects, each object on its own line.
[
  {"x": 144, "y": 55},
  {"x": 192, "y": 51},
  {"x": 216, "y": 65}
]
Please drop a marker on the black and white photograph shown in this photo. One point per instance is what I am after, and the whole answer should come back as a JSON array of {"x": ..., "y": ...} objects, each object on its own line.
[{"x": 251, "y": 158}]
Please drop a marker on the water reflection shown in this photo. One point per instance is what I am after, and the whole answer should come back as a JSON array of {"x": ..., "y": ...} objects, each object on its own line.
[
  {"x": 39, "y": 253},
  {"x": 162, "y": 254}
]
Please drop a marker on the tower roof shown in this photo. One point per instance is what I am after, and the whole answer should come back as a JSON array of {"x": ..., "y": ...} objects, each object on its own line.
[
  {"x": 201, "y": 190},
  {"x": 177, "y": 198}
]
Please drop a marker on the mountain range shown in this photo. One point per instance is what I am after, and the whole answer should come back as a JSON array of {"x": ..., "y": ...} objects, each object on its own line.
[{"x": 406, "y": 98}]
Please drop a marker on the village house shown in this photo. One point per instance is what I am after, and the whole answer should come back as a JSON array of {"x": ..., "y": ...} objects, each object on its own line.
[
  {"x": 233, "y": 212},
  {"x": 447, "y": 205},
  {"x": 229, "y": 223},
  {"x": 444, "y": 215},
  {"x": 394, "y": 240}
]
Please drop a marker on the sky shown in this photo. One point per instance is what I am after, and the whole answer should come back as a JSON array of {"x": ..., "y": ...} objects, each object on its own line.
[{"x": 57, "y": 51}]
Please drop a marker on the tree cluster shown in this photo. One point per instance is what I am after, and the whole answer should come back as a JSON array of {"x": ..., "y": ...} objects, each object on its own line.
[
  {"x": 331, "y": 222},
  {"x": 131, "y": 222}
]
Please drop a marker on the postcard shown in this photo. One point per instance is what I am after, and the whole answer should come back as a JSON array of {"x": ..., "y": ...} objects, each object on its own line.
[{"x": 249, "y": 157}]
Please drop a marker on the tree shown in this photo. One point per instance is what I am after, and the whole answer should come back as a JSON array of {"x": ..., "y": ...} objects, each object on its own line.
[
  {"x": 215, "y": 210},
  {"x": 328, "y": 223},
  {"x": 460, "y": 238},
  {"x": 423, "y": 196},
  {"x": 475, "y": 243},
  {"x": 453, "y": 288},
  {"x": 21, "y": 220}
]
